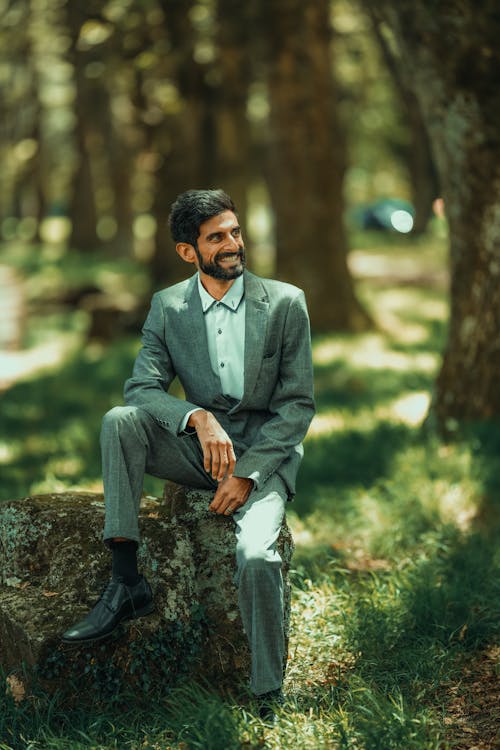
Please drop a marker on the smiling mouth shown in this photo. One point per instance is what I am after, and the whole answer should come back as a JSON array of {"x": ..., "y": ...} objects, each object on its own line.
[{"x": 232, "y": 258}]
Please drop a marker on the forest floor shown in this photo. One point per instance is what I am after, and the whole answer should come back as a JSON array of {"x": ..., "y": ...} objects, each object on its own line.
[{"x": 395, "y": 621}]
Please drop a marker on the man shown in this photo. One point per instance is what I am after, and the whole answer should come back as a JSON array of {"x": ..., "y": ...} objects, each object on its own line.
[{"x": 240, "y": 346}]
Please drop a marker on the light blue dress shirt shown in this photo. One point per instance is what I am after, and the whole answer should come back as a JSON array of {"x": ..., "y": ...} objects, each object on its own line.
[{"x": 225, "y": 326}]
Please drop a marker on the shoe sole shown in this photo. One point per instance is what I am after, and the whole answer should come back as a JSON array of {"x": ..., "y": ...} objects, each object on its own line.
[{"x": 147, "y": 610}]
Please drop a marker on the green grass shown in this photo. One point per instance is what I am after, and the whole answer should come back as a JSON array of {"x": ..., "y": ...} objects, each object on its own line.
[{"x": 396, "y": 573}]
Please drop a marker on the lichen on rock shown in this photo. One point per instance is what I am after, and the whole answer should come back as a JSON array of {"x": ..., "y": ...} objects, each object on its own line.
[{"x": 53, "y": 566}]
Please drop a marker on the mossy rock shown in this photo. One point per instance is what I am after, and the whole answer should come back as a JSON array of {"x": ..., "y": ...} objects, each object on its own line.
[{"x": 53, "y": 565}]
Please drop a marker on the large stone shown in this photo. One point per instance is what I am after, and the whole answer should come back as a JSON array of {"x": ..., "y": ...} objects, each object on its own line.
[{"x": 53, "y": 565}]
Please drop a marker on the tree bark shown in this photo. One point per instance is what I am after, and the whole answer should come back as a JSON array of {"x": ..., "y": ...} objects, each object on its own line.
[
  {"x": 307, "y": 162},
  {"x": 232, "y": 166},
  {"x": 451, "y": 57},
  {"x": 88, "y": 103},
  {"x": 181, "y": 139},
  {"x": 204, "y": 143},
  {"x": 20, "y": 107}
]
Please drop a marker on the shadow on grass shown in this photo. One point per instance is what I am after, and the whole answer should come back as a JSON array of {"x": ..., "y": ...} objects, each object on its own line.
[
  {"x": 341, "y": 387},
  {"x": 348, "y": 458},
  {"x": 190, "y": 714},
  {"x": 484, "y": 440},
  {"x": 408, "y": 627}
]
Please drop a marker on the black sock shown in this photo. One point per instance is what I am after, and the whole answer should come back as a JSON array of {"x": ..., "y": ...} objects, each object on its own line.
[{"x": 124, "y": 563}]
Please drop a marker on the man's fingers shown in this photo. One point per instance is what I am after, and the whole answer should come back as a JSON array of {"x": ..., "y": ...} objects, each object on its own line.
[
  {"x": 222, "y": 466},
  {"x": 221, "y": 458},
  {"x": 231, "y": 463},
  {"x": 207, "y": 460},
  {"x": 221, "y": 499},
  {"x": 230, "y": 495},
  {"x": 215, "y": 463},
  {"x": 227, "y": 507}
]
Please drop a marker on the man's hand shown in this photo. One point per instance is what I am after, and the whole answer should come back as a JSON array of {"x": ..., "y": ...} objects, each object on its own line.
[
  {"x": 231, "y": 494},
  {"x": 218, "y": 452}
]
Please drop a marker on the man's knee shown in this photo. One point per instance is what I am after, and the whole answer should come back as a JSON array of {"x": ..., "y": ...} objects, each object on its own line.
[
  {"x": 257, "y": 559},
  {"x": 122, "y": 418}
]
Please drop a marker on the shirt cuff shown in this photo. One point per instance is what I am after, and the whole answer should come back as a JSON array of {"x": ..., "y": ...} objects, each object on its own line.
[{"x": 183, "y": 428}]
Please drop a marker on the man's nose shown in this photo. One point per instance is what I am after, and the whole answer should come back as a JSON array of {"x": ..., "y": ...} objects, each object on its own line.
[{"x": 232, "y": 242}]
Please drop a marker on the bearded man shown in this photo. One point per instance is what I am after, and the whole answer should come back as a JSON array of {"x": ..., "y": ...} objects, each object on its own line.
[{"x": 240, "y": 346}]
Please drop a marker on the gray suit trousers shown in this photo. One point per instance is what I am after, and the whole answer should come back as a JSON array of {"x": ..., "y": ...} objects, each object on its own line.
[{"x": 134, "y": 444}]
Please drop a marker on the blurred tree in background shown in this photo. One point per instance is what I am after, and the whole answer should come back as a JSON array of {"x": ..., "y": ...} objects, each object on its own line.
[
  {"x": 111, "y": 109},
  {"x": 416, "y": 153},
  {"x": 308, "y": 160},
  {"x": 449, "y": 55}
]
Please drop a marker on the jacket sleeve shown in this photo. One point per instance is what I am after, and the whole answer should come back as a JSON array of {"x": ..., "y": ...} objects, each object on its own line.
[
  {"x": 291, "y": 404},
  {"x": 153, "y": 374}
]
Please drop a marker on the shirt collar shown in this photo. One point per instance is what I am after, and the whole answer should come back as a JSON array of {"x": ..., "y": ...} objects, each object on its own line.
[{"x": 231, "y": 299}]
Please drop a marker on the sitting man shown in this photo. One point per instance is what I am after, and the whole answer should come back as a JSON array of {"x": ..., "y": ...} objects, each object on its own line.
[{"x": 240, "y": 346}]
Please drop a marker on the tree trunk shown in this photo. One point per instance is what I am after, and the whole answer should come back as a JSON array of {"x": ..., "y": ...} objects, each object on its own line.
[
  {"x": 460, "y": 100},
  {"x": 19, "y": 124},
  {"x": 44, "y": 185},
  {"x": 307, "y": 163},
  {"x": 232, "y": 165},
  {"x": 423, "y": 175},
  {"x": 82, "y": 207},
  {"x": 181, "y": 139},
  {"x": 418, "y": 154},
  {"x": 204, "y": 143}
]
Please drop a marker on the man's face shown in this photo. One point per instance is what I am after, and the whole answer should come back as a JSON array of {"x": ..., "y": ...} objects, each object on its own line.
[{"x": 219, "y": 248}]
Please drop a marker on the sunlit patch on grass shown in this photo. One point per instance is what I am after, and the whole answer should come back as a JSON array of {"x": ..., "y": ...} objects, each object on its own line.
[
  {"x": 325, "y": 424},
  {"x": 66, "y": 466},
  {"x": 372, "y": 351},
  {"x": 411, "y": 408},
  {"x": 403, "y": 333},
  {"x": 49, "y": 483},
  {"x": 18, "y": 365},
  {"x": 8, "y": 451},
  {"x": 456, "y": 504},
  {"x": 403, "y": 264},
  {"x": 414, "y": 304}
]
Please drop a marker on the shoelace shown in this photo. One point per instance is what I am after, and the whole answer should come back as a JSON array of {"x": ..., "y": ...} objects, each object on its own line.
[{"x": 108, "y": 595}]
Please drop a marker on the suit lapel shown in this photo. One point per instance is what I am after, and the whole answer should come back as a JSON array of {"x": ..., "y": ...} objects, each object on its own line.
[
  {"x": 192, "y": 322},
  {"x": 256, "y": 317}
]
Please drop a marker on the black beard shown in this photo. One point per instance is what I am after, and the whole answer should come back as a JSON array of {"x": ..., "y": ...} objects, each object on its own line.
[{"x": 216, "y": 271}]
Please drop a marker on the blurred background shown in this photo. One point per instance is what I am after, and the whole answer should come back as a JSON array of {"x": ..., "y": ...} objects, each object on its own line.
[{"x": 111, "y": 109}]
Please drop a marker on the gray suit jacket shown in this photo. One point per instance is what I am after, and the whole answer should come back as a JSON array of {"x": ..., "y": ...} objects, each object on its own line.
[{"x": 269, "y": 423}]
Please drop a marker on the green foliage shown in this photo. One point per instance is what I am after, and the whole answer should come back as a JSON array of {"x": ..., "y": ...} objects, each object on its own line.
[
  {"x": 203, "y": 720},
  {"x": 142, "y": 665},
  {"x": 411, "y": 615}
]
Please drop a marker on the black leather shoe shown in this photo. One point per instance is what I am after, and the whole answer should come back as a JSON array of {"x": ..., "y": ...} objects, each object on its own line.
[
  {"x": 118, "y": 603},
  {"x": 268, "y": 703}
]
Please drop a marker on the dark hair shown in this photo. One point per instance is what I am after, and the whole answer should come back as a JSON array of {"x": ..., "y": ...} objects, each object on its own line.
[{"x": 192, "y": 208}]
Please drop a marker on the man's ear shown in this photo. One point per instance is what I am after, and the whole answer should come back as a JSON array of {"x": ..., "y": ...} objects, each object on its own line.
[{"x": 186, "y": 252}]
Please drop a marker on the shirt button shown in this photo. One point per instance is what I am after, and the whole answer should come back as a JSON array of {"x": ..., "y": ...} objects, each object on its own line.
[
  {"x": 222, "y": 364},
  {"x": 220, "y": 330}
]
